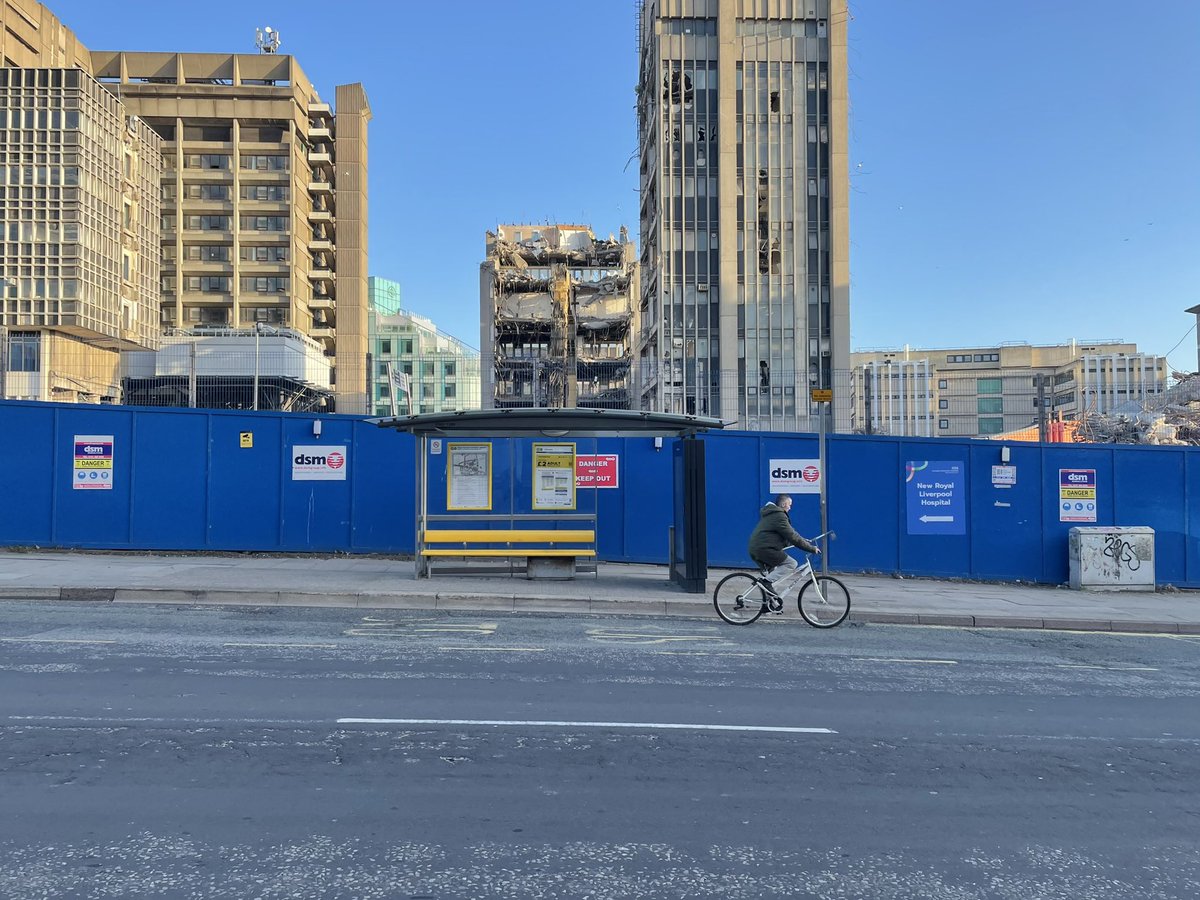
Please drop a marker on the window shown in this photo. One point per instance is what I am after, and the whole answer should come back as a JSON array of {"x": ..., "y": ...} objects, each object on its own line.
[
  {"x": 989, "y": 385},
  {"x": 207, "y": 252},
  {"x": 991, "y": 425},
  {"x": 206, "y": 191},
  {"x": 448, "y": 369},
  {"x": 207, "y": 284},
  {"x": 264, "y": 192},
  {"x": 265, "y": 163},
  {"x": 206, "y": 223},
  {"x": 264, "y": 254},
  {"x": 943, "y": 384},
  {"x": 265, "y": 223},
  {"x": 943, "y": 404},
  {"x": 24, "y": 351},
  {"x": 265, "y": 284},
  {"x": 449, "y": 392},
  {"x": 943, "y": 424},
  {"x": 206, "y": 161},
  {"x": 991, "y": 404},
  {"x": 385, "y": 348},
  {"x": 126, "y": 267}
]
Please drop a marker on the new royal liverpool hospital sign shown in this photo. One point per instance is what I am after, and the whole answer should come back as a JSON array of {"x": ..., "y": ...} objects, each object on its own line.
[{"x": 936, "y": 495}]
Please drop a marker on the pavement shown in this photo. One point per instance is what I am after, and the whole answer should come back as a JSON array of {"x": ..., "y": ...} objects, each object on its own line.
[{"x": 371, "y": 582}]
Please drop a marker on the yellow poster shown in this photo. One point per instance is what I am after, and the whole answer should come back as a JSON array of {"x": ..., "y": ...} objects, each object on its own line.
[{"x": 553, "y": 476}]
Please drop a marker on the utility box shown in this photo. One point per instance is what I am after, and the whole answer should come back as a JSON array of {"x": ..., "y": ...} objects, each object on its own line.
[{"x": 1112, "y": 558}]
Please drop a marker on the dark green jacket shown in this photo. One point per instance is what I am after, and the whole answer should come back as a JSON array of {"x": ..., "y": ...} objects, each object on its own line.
[{"x": 774, "y": 531}]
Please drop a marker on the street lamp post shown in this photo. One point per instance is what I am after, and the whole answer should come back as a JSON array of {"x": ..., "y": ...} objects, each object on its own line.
[{"x": 259, "y": 328}]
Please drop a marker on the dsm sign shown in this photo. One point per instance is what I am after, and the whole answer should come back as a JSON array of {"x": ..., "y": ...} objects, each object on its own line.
[
  {"x": 795, "y": 476},
  {"x": 319, "y": 463}
]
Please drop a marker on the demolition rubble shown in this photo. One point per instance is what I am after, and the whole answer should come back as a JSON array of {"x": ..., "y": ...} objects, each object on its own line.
[{"x": 1170, "y": 418}]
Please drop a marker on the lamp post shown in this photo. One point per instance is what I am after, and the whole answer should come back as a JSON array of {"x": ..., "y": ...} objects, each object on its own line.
[
  {"x": 259, "y": 328},
  {"x": 6, "y": 282}
]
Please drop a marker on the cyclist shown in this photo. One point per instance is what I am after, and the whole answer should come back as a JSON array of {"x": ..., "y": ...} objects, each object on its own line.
[{"x": 772, "y": 533}]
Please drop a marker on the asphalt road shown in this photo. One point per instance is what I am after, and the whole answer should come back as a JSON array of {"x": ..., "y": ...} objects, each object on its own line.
[{"x": 206, "y": 752}]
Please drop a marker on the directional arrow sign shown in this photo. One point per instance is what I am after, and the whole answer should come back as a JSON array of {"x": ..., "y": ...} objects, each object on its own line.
[{"x": 935, "y": 491}]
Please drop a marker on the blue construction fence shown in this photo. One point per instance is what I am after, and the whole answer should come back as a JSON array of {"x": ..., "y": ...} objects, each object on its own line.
[{"x": 100, "y": 477}]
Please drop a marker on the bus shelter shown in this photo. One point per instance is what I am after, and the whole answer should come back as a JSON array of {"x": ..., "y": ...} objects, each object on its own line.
[{"x": 459, "y": 445}]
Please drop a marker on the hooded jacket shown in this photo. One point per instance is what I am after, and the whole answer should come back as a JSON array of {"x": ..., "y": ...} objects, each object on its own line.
[{"x": 774, "y": 531}]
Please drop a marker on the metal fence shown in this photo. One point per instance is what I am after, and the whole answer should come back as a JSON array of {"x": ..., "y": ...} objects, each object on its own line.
[{"x": 283, "y": 370}]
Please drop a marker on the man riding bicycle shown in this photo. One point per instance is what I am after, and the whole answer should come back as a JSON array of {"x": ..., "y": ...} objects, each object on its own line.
[{"x": 772, "y": 533}]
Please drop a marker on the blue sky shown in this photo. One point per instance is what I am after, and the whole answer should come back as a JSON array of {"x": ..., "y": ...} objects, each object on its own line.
[{"x": 1022, "y": 171}]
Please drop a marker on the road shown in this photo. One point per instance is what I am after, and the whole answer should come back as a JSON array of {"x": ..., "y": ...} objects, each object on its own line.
[{"x": 223, "y": 752}]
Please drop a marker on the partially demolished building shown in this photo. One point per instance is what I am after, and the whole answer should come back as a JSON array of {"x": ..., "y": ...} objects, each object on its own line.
[{"x": 558, "y": 320}]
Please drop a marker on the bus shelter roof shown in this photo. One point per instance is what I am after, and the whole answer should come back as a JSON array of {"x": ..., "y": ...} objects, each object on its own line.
[{"x": 552, "y": 422}]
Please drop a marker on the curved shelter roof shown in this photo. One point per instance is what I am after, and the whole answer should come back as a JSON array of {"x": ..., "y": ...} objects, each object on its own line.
[{"x": 553, "y": 422}]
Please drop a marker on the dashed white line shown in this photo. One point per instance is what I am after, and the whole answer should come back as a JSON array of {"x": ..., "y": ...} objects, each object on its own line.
[
  {"x": 499, "y": 649},
  {"x": 302, "y": 646},
  {"x": 1110, "y": 668}
]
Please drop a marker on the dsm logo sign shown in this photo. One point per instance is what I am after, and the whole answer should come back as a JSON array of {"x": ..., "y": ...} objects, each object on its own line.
[
  {"x": 326, "y": 463},
  {"x": 795, "y": 476}
]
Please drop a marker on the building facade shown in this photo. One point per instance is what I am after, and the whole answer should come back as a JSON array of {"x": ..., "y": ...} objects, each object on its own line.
[
  {"x": 79, "y": 213},
  {"x": 983, "y": 391},
  {"x": 558, "y": 318},
  {"x": 742, "y": 118},
  {"x": 251, "y": 234},
  {"x": 419, "y": 367}
]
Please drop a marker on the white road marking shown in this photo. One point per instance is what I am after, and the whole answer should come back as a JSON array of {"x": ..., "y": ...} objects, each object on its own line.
[
  {"x": 930, "y": 662},
  {"x": 312, "y": 646},
  {"x": 1110, "y": 668},
  {"x": 53, "y": 641},
  {"x": 649, "y": 726},
  {"x": 499, "y": 649}
]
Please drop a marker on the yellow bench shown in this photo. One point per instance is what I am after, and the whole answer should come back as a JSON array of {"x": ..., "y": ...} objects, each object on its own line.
[{"x": 518, "y": 536}]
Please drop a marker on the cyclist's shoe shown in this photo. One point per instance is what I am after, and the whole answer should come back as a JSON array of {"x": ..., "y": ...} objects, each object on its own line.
[{"x": 775, "y": 603}]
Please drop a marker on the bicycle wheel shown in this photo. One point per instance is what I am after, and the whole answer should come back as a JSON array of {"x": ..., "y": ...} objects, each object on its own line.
[
  {"x": 824, "y": 604},
  {"x": 739, "y": 599}
]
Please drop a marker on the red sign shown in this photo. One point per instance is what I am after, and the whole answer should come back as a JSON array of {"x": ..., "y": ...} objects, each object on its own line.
[
  {"x": 811, "y": 474},
  {"x": 596, "y": 471}
]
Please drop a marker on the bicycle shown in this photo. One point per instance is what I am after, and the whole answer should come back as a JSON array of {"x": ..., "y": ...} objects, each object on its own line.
[{"x": 741, "y": 597}]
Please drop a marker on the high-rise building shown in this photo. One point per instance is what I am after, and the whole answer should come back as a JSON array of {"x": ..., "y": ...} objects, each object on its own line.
[
  {"x": 79, "y": 211},
  {"x": 253, "y": 161},
  {"x": 418, "y": 368},
  {"x": 742, "y": 117},
  {"x": 982, "y": 391},
  {"x": 558, "y": 317}
]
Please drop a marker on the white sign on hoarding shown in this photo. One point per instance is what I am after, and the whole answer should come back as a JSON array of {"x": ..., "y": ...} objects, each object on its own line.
[
  {"x": 93, "y": 470},
  {"x": 319, "y": 463},
  {"x": 795, "y": 476}
]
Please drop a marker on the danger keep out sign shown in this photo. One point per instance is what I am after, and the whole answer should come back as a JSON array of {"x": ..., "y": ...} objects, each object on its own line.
[{"x": 597, "y": 471}]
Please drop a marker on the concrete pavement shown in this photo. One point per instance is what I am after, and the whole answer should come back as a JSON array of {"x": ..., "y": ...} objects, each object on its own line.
[{"x": 380, "y": 583}]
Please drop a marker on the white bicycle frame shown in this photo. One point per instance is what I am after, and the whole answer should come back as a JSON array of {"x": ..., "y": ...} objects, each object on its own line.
[{"x": 803, "y": 570}]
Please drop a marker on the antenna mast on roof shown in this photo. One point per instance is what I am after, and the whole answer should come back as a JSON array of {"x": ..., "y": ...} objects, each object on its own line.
[{"x": 266, "y": 39}]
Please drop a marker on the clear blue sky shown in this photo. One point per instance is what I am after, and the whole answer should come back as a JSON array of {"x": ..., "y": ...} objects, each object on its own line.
[{"x": 1021, "y": 171}]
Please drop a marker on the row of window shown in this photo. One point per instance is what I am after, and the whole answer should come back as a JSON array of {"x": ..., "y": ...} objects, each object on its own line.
[
  {"x": 221, "y": 161},
  {"x": 220, "y": 284},
  {"x": 222, "y": 253},
  {"x": 977, "y": 357},
  {"x": 224, "y": 192},
  {"x": 988, "y": 425},
  {"x": 222, "y": 223},
  {"x": 53, "y": 119},
  {"x": 427, "y": 368}
]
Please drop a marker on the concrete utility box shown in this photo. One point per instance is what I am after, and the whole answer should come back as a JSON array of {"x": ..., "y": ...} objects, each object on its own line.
[{"x": 1112, "y": 558}]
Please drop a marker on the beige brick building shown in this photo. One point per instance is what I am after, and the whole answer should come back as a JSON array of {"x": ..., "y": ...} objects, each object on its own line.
[
  {"x": 79, "y": 219},
  {"x": 981, "y": 391},
  {"x": 263, "y": 189}
]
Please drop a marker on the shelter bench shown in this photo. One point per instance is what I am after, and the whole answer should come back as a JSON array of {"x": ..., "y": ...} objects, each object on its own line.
[{"x": 529, "y": 544}]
